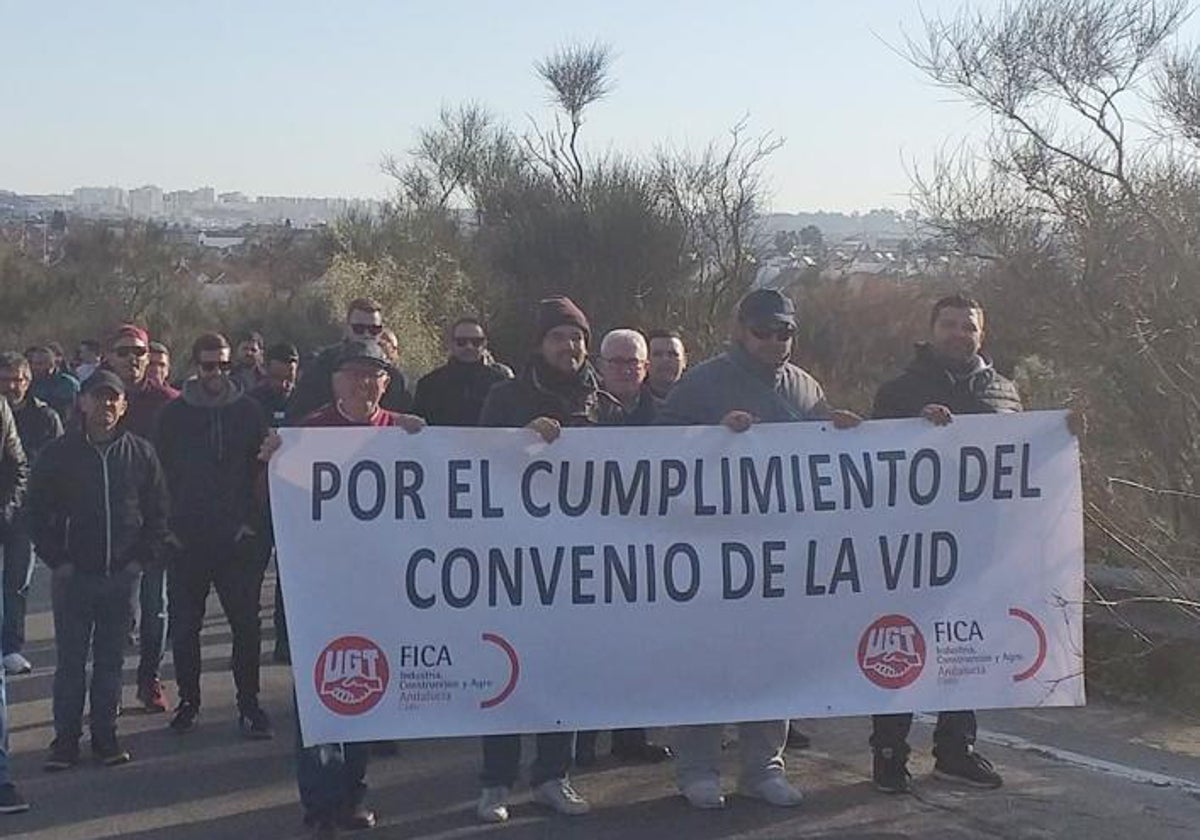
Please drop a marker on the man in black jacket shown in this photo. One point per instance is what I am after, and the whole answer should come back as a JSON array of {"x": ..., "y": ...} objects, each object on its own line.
[
  {"x": 557, "y": 388},
  {"x": 208, "y": 441},
  {"x": 37, "y": 425},
  {"x": 98, "y": 510},
  {"x": 364, "y": 320},
  {"x": 949, "y": 375},
  {"x": 14, "y": 472},
  {"x": 453, "y": 394}
]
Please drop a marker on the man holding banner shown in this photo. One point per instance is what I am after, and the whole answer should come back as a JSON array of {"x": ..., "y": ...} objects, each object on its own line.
[
  {"x": 753, "y": 382},
  {"x": 557, "y": 388}
]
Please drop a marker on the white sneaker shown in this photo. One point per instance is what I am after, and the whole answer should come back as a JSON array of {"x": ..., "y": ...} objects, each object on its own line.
[
  {"x": 704, "y": 794},
  {"x": 774, "y": 790},
  {"x": 493, "y": 805},
  {"x": 558, "y": 795},
  {"x": 15, "y": 664}
]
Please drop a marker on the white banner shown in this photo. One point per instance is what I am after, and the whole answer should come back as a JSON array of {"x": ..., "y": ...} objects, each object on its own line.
[{"x": 479, "y": 581}]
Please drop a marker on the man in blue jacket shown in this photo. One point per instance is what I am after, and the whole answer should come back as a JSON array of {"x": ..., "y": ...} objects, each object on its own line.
[{"x": 98, "y": 511}]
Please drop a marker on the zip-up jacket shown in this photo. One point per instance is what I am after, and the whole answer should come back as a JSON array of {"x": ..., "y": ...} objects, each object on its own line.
[
  {"x": 978, "y": 390},
  {"x": 14, "y": 468},
  {"x": 209, "y": 451},
  {"x": 99, "y": 506},
  {"x": 576, "y": 400}
]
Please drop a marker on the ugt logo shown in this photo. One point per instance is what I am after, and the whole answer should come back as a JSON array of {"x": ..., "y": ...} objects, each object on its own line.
[
  {"x": 891, "y": 652},
  {"x": 351, "y": 675}
]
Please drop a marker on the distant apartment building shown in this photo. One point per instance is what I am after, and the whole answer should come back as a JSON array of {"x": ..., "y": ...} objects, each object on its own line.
[
  {"x": 146, "y": 202},
  {"x": 100, "y": 199}
]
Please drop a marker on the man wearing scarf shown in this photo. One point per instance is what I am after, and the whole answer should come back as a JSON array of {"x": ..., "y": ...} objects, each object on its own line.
[{"x": 557, "y": 388}]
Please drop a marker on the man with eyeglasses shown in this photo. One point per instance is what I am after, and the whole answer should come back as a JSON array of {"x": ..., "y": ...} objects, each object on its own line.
[
  {"x": 128, "y": 356},
  {"x": 753, "y": 382},
  {"x": 208, "y": 441},
  {"x": 37, "y": 425},
  {"x": 453, "y": 394},
  {"x": 364, "y": 322}
]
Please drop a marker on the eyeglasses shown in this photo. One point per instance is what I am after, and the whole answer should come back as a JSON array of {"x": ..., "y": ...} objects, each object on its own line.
[
  {"x": 783, "y": 333},
  {"x": 126, "y": 352},
  {"x": 208, "y": 367},
  {"x": 470, "y": 341},
  {"x": 366, "y": 329},
  {"x": 624, "y": 362}
]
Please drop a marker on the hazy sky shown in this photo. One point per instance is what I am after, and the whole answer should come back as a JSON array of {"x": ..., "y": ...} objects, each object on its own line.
[{"x": 304, "y": 98}]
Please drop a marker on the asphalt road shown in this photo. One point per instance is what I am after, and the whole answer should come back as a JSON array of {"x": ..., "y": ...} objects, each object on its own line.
[{"x": 1097, "y": 773}]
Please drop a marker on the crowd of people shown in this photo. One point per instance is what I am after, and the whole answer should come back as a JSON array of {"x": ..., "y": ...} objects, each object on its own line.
[{"x": 141, "y": 497}]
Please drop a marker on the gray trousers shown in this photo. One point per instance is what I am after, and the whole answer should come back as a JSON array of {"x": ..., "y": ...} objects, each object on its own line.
[{"x": 698, "y": 752}]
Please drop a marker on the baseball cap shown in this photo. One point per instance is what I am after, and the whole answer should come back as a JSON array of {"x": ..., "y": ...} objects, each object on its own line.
[
  {"x": 766, "y": 306},
  {"x": 102, "y": 378},
  {"x": 283, "y": 352},
  {"x": 359, "y": 350}
]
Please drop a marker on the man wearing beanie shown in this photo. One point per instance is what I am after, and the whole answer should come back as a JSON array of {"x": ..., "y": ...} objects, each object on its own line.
[{"x": 557, "y": 388}]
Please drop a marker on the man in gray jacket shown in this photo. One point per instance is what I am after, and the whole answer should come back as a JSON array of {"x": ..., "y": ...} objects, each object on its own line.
[{"x": 752, "y": 382}]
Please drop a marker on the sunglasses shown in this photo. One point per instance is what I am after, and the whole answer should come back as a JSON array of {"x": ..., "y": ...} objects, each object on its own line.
[
  {"x": 126, "y": 352},
  {"x": 367, "y": 329},
  {"x": 209, "y": 367},
  {"x": 470, "y": 341},
  {"x": 777, "y": 333}
]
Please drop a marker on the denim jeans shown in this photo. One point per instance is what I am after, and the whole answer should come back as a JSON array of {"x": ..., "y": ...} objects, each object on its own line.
[
  {"x": 502, "y": 758},
  {"x": 91, "y": 614},
  {"x": 18, "y": 571},
  {"x": 152, "y": 625},
  {"x": 331, "y": 777},
  {"x": 955, "y": 731},
  {"x": 760, "y": 745}
]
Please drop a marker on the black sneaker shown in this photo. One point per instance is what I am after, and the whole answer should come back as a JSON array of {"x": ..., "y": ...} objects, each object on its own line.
[
  {"x": 255, "y": 725},
  {"x": 184, "y": 719},
  {"x": 108, "y": 751},
  {"x": 890, "y": 772},
  {"x": 64, "y": 754},
  {"x": 12, "y": 802},
  {"x": 967, "y": 768}
]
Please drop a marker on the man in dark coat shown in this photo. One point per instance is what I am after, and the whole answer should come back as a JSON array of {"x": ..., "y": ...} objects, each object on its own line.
[
  {"x": 453, "y": 394},
  {"x": 14, "y": 474},
  {"x": 557, "y": 388},
  {"x": 37, "y": 425},
  {"x": 98, "y": 512},
  {"x": 949, "y": 375},
  {"x": 209, "y": 442}
]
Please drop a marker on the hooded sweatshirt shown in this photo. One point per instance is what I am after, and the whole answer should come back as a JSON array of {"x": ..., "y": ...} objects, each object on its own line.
[{"x": 208, "y": 445}]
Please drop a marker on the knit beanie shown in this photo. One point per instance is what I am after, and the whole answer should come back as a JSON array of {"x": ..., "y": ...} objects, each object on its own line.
[{"x": 561, "y": 311}]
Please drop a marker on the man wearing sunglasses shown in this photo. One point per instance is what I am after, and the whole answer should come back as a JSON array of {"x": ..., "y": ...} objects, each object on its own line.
[
  {"x": 453, "y": 394},
  {"x": 364, "y": 322},
  {"x": 208, "y": 441},
  {"x": 128, "y": 356},
  {"x": 752, "y": 382}
]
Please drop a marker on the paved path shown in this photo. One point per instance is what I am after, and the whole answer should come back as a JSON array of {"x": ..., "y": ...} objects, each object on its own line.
[{"x": 1097, "y": 773}]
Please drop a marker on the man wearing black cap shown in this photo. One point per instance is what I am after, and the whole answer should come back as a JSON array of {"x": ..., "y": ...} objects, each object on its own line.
[
  {"x": 557, "y": 388},
  {"x": 209, "y": 441},
  {"x": 752, "y": 382},
  {"x": 364, "y": 322},
  {"x": 98, "y": 513},
  {"x": 278, "y": 382}
]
